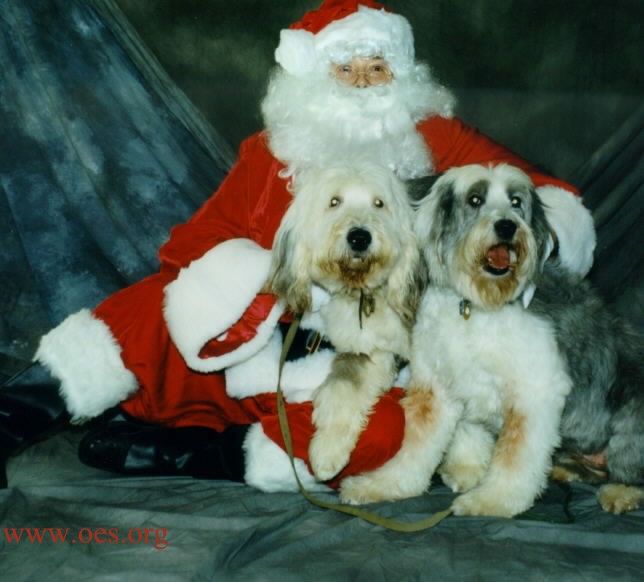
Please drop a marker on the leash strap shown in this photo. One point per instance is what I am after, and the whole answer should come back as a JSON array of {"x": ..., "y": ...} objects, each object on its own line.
[{"x": 348, "y": 509}]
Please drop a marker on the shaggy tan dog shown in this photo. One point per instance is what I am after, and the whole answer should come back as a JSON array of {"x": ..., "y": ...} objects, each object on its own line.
[{"x": 349, "y": 231}]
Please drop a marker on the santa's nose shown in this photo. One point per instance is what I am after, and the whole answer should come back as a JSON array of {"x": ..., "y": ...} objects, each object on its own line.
[
  {"x": 359, "y": 239},
  {"x": 361, "y": 81}
]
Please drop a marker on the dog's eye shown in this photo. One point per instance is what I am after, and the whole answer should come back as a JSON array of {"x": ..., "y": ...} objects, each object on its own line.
[
  {"x": 335, "y": 201},
  {"x": 516, "y": 202},
  {"x": 378, "y": 203},
  {"x": 475, "y": 200}
]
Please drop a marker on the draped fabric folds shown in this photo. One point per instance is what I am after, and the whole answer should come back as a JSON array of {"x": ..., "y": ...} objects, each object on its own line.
[
  {"x": 612, "y": 182},
  {"x": 101, "y": 155}
]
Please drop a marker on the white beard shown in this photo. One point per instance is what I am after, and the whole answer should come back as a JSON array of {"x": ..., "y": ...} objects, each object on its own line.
[{"x": 317, "y": 121}]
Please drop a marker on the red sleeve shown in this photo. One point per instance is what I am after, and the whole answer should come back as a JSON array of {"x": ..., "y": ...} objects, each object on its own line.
[
  {"x": 227, "y": 213},
  {"x": 452, "y": 143}
]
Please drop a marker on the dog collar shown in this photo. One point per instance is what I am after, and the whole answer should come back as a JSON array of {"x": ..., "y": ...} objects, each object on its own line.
[
  {"x": 465, "y": 308},
  {"x": 366, "y": 305},
  {"x": 465, "y": 305}
]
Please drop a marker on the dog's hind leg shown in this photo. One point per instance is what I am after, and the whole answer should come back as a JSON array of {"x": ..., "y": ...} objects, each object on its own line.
[
  {"x": 625, "y": 462},
  {"x": 341, "y": 407},
  {"x": 430, "y": 418},
  {"x": 468, "y": 457}
]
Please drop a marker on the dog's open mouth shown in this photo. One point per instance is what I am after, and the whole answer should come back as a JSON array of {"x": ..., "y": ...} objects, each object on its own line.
[{"x": 499, "y": 259}]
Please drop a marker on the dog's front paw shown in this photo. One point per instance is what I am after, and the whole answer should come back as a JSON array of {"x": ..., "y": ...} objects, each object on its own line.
[
  {"x": 329, "y": 453},
  {"x": 361, "y": 490},
  {"x": 619, "y": 498},
  {"x": 460, "y": 478},
  {"x": 490, "y": 501}
]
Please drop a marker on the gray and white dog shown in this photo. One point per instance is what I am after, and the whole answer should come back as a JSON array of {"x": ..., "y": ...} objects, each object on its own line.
[
  {"x": 602, "y": 426},
  {"x": 511, "y": 358}
]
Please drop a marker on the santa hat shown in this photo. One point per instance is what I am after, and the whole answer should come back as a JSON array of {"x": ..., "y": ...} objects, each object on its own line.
[{"x": 342, "y": 29}]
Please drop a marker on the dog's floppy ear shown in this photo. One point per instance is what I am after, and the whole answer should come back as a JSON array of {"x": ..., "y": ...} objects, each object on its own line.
[
  {"x": 544, "y": 243},
  {"x": 434, "y": 216},
  {"x": 288, "y": 278},
  {"x": 408, "y": 278},
  {"x": 541, "y": 229},
  {"x": 418, "y": 188},
  {"x": 407, "y": 283}
]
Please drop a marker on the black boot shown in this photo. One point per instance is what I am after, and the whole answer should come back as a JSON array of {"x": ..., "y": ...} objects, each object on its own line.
[
  {"x": 31, "y": 408},
  {"x": 123, "y": 444}
]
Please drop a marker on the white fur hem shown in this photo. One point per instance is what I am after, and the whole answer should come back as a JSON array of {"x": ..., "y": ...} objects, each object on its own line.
[
  {"x": 269, "y": 469},
  {"x": 211, "y": 294},
  {"x": 259, "y": 373},
  {"x": 574, "y": 226},
  {"x": 82, "y": 353}
]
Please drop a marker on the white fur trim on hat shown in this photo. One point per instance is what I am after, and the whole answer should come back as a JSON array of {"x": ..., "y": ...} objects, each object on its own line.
[
  {"x": 367, "y": 32},
  {"x": 296, "y": 51},
  {"x": 83, "y": 354},
  {"x": 268, "y": 467},
  {"x": 211, "y": 294},
  {"x": 574, "y": 227}
]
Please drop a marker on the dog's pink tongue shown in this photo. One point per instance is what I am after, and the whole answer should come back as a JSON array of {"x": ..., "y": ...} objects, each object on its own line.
[{"x": 498, "y": 257}]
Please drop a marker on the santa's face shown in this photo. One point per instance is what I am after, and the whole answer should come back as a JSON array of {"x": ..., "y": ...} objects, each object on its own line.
[
  {"x": 362, "y": 72},
  {"x": 358, "y": 109}
]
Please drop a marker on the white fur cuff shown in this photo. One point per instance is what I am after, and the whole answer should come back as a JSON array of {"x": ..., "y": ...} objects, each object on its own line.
[
  {"x": 573, "y": 224},
  {"x": 211, "y": 294},
  {"x": 83, "y": 354},
  {"x": 268, "y": 467}
]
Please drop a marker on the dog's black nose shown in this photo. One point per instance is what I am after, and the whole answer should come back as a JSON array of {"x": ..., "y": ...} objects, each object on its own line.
[
  {"x": 505, "y": 229},
  {"x": 359, "y": 239}
]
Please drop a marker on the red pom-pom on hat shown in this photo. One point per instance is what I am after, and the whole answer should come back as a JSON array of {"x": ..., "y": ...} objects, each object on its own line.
[{"x": 330, "y": 11}]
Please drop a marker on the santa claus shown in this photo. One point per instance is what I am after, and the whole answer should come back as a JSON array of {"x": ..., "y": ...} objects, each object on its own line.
[{"x": 182, "y": 366}]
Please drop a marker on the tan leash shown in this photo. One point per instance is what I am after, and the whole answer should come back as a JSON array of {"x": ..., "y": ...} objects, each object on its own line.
[{"x": 355, "y": 511}]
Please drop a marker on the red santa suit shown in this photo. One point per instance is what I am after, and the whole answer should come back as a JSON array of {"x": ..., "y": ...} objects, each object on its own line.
[{"x": 198, "y": 343}]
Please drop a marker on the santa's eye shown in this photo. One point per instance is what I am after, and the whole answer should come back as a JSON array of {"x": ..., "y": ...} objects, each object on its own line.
[
  {"x": 378, "y": 203},
  {"x": 335, "y": 201},
  {"x": 474, "y": 200},
  {"x": 515, "y": 201}
]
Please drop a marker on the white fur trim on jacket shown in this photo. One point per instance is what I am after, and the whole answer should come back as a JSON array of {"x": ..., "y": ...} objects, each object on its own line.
[
  {"x": 211, "y": 294},
  {"x": 82, "y": 353},
  {"x": 268, "y": 467},
  {"x": 574, "y": 226},
  {"x": 259, "y": 373}
]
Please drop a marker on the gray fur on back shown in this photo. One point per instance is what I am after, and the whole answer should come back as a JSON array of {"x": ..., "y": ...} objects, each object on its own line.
[{"x": 605, "y": 357}]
